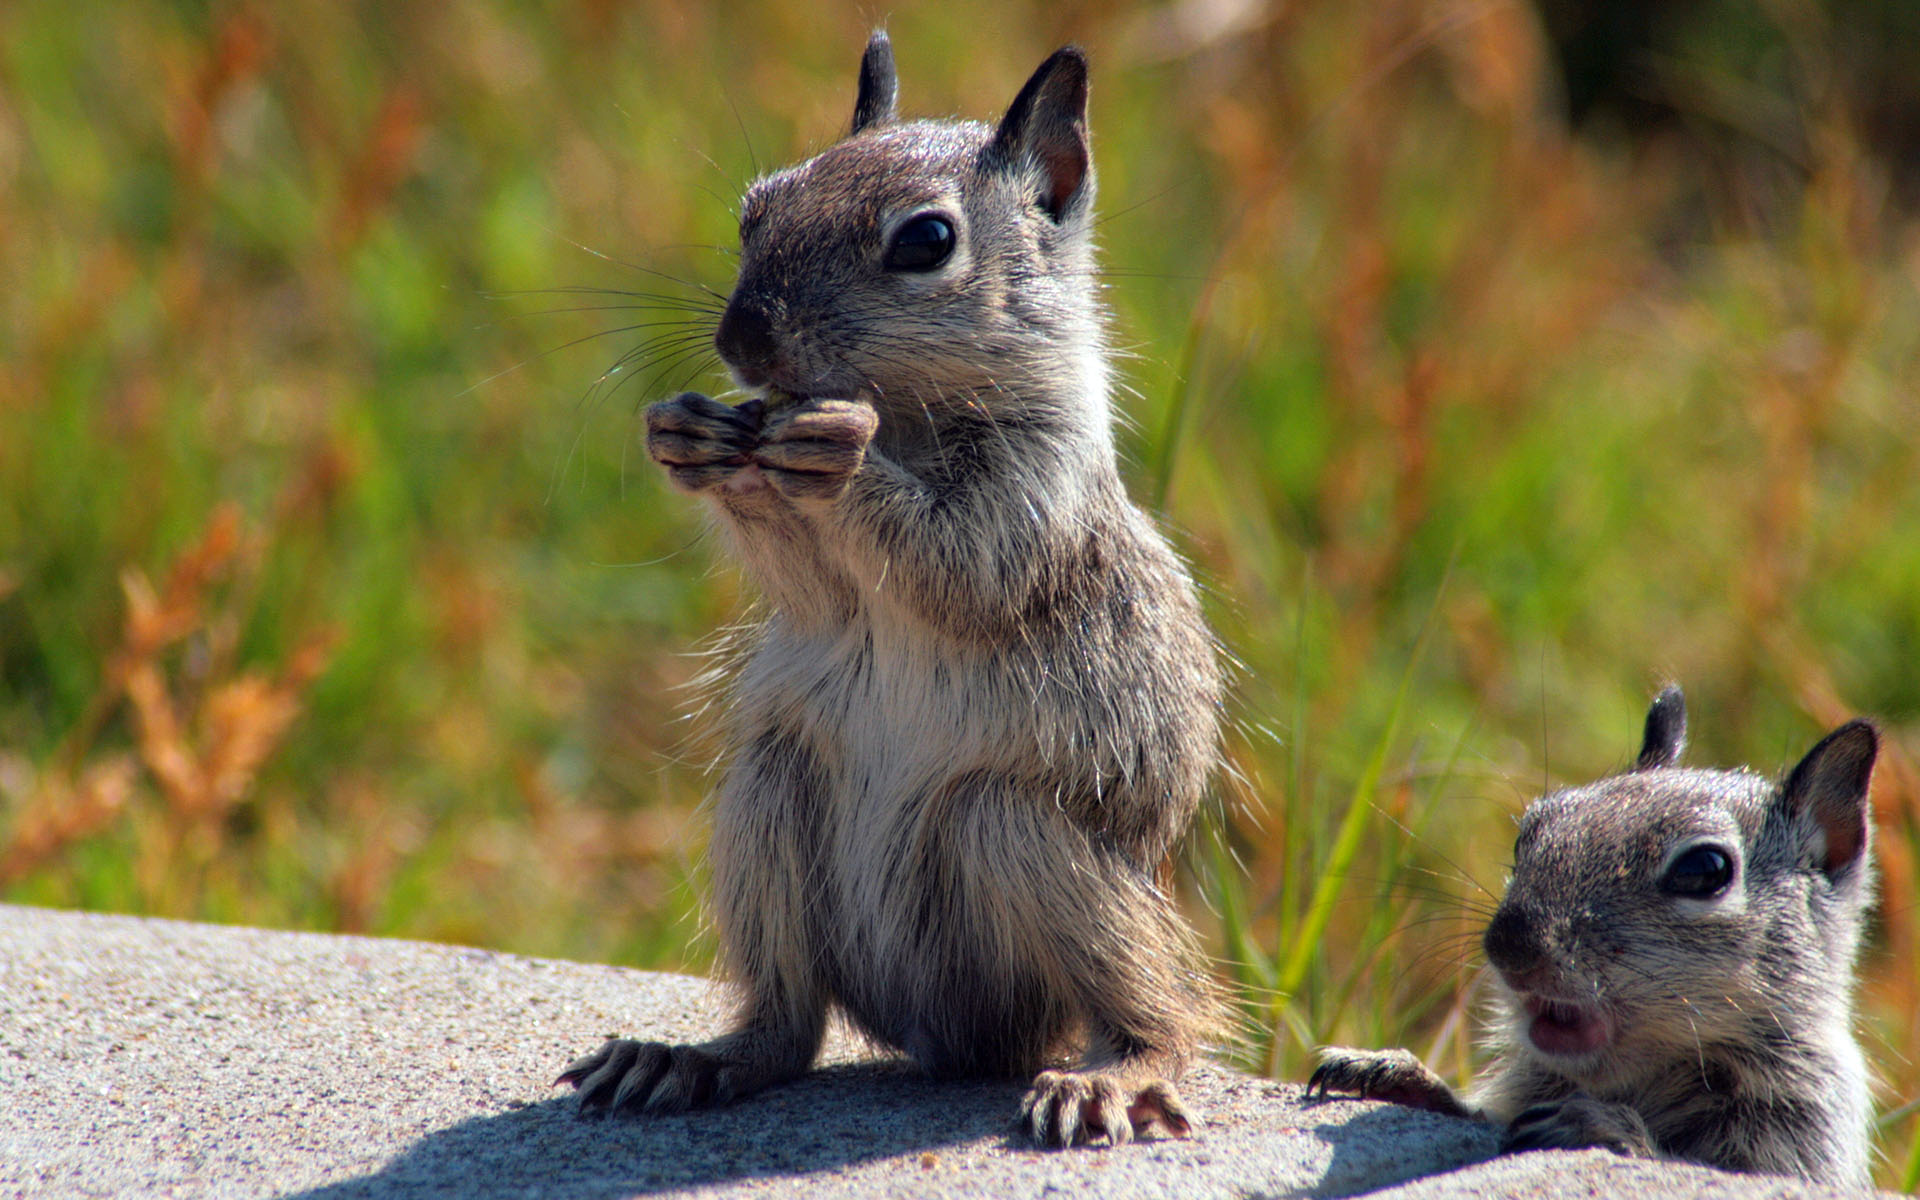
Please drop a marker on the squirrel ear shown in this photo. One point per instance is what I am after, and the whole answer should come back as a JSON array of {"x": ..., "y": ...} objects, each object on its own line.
[
  {"x": 1046, "y": 128},
  {"x": 879, "y": 86},
  {"x": 1826, "y": 796},
  {"x": 1666, "y": 734}
]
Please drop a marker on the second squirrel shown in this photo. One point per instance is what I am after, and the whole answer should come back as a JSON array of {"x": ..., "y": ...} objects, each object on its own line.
[{"x": 1674, "y": 959}]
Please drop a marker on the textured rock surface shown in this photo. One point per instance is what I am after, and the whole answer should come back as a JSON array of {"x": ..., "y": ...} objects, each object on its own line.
[{"x": 144, "y": 1057}]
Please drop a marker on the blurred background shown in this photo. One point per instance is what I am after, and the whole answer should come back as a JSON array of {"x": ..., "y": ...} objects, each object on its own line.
[{"x": 1492, "y": 362}]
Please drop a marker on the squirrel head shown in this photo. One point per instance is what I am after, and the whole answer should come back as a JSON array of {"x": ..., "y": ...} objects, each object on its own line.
[
  {"x": 928, "y": 266},
  {"x": 1667, "y": 910}
]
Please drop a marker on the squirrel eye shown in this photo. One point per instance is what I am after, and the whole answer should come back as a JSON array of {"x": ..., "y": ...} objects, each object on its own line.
[
  {"x": 921, "y": 244},
  {"x": 1701, "y": 871}
]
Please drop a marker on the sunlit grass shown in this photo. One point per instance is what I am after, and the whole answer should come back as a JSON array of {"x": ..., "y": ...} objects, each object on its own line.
[{"x": 335, "y": 592}]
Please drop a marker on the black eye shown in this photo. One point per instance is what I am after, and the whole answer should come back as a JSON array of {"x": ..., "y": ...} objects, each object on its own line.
[
  {"x": 922, "y": 244},
  {"x": 1701, "y": 871}
]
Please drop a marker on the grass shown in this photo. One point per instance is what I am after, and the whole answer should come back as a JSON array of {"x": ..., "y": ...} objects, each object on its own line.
[{"x": 335, "y": 593}]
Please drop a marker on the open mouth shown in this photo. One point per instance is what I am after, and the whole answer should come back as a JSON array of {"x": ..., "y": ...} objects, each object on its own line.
[{"x": 1562, "y": 1027}]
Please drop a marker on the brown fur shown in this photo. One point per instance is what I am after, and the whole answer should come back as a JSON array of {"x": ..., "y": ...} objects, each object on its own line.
[
  {"x": 982, "y": 706},
  {"x": 1728, "y": 1015}
]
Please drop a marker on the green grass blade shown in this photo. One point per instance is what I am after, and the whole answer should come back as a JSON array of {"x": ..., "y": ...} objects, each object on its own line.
[{"x": 1348, "y": 840}]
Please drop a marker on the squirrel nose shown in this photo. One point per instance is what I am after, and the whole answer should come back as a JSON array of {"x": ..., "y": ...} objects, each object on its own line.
[
  {"x": 1512, "y": 941},
  {"x": 745, "y": 339}
]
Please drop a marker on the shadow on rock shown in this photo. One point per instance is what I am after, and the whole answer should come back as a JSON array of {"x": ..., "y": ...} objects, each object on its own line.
[
  {"x": 834, "y": 1118},
  {"x": 1385, "y": 1147}
]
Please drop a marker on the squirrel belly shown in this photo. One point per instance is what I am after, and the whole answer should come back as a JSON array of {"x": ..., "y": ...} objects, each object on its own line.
[{"x": 962, "y": 781}]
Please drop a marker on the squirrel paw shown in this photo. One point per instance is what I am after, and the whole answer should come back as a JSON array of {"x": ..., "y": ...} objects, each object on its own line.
[
  {"x": 1395, "y": 1076},
  {"x": 812, "y": 452},
  {"x": 1068, "y": 1108},
  {"x": 648, "y": 1077},
  {"x": 700, "y": 441},
  {"x": 1579, "y": 1123}
]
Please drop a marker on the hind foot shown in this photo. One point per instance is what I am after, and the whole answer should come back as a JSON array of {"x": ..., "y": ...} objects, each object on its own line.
[
  {"x": 1069, "y": 1108},
  {"x": 651, "y": 1077}
]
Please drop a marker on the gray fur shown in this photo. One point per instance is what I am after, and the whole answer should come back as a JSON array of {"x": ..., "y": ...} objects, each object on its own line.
[
  {"x": 1729, "y": 1017},
  {"x": 982, "y": 706}
]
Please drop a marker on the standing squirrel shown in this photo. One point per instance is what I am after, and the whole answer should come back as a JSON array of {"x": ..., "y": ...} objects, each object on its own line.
[
  {"x": 983, "y": 704},
  {"x": 1674, "y": 960}
]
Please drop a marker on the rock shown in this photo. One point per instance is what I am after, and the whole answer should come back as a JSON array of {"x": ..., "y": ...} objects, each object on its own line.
[{"x": 142, "y": 1058}]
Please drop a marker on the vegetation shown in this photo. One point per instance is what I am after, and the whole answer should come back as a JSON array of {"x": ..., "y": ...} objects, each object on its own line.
[{"x": 336, "y": 593}]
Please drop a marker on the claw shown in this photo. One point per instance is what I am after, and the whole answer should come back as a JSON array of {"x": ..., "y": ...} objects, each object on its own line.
[
  {"x": 584, "y": 1066},
  {"x": 1159, "y": 1104},
  {"x": 615, "y": 1059},
  {"x": 641, "y": 1075},
  {"x": 1108, "y": 1113},
  {"x": 1319, "y": 1080}
]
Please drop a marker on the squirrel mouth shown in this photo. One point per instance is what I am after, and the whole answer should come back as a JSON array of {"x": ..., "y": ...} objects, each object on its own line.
[{"x": 1562, "y": 1027}]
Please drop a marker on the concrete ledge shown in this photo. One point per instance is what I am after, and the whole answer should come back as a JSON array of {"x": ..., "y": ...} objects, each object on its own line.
[{"x": 157, "y": 1058}]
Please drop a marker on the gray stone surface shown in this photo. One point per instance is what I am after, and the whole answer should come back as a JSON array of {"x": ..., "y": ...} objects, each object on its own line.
[{"x": 157, "y": 1058}]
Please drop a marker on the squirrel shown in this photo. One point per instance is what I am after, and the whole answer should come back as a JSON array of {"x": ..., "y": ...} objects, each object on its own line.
[
  {"x": 1673, "y": 962},
  {"x": 983, "y": 704}
]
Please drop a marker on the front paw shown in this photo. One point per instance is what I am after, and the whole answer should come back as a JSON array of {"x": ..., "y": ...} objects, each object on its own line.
[
  {"x": 700, "y": 441},
  {"x": 1579, "y": 1123},
  {"x": 649, "y": 1077},
  {"x": 812, "y": 451},
  {"x": 1395, "y": 1076},
  {"x": 1067, "y": 1108}
]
